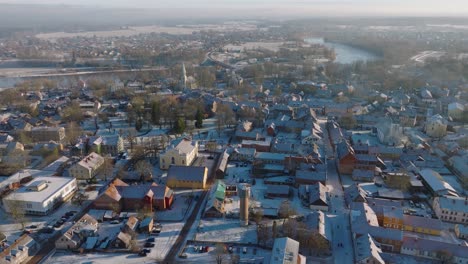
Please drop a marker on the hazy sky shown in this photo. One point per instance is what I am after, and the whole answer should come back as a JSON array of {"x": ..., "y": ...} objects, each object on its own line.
[{"x": 323, "y": 7}]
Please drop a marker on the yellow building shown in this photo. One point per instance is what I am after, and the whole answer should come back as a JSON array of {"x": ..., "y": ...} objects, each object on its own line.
[
  {"x": 187, "y": 177},
  {"x": 422, "y": 225},
  {"x": 392, "y": 217},
  {"x": 181, "y": 155}
]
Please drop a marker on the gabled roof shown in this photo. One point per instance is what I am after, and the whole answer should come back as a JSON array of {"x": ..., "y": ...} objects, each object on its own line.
[{"x": 366, "y": 247}]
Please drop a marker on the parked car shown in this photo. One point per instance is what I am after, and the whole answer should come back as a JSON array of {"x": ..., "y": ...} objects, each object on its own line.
[
  {"x": 142, "y": 253},
  {"x": 244, "y": 250},
  {"x": 146, "y": 250},
  {"x": 32, "y": 226},
  {"x": 115, "y": 222},
  {"x": 149, "y": 245},
  {"x": 183, "y": 255},
  {"x": 231, "y": 249},
  {"x": 151, "y": 239}
]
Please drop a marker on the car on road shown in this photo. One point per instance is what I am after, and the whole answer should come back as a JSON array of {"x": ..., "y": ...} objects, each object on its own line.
[
  {"x": 149, "y": 245},
  {"x": 32, "y": 226},
  {"x": 115, "y": 222},
  {"x": 184, "y": 255}
]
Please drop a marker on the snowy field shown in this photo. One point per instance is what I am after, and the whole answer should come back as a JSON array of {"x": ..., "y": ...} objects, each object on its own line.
[
  {"x": 226, "y": 230},
  {"x": 181, "y": 207}
]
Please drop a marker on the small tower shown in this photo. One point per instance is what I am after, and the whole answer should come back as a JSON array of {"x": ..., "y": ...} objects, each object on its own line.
[
  {"x": 183, "y": 79},
  {"x": 244, "y": 194}
]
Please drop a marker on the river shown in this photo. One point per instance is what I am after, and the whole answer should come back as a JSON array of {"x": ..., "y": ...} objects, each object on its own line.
[{"x": 345, "y": 54}]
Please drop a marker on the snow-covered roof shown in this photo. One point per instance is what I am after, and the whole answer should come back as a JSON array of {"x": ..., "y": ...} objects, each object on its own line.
[{"x": 285, "y": 251}]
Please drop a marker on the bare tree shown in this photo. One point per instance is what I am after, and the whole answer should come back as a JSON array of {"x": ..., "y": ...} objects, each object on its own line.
[
  {"x": 145, "y": 169},
  {"x": 17, "y": 211}
]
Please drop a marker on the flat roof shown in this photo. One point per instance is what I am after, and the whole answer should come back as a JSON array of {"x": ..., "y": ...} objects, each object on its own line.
[{"x": 54, "y": 184}]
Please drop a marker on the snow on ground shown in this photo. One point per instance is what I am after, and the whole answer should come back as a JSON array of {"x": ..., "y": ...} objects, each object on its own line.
[
  {"x": 180, "y": 207},
  {"x": 12, "y": 229},
  {"x": 163, "y": 243},
  {"x": 252, "y": 255},
  {"x": 226, "y": 230}
]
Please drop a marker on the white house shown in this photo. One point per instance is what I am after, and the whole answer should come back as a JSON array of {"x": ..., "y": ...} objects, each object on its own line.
[
  {"x": 436, "y": 126},
  {"x": 451, "y": 209},
  {"x": 88, "y": 167},
  {"x": 183, "y": 154},
  {"x": 41, "y": 195}
]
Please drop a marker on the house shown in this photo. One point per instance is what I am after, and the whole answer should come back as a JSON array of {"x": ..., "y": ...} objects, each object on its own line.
[
  {"x": 187, "y": 177},
  {"x": 121, "y": 196},
  {"x": 75, "y": 236},
  {"x": 423, "y": 225},
  {"x": 451, "y": 209},
  {"x": 460, "y": 167},
  {"x": 20, "y": 251},
  {"x": 146, "y": 225},
  {"x": 435, "y": 183},
  {"x": 222, "y": 165},
  {"x": 390, "y": 133},
  {"x": 434, "y": 249},
  {"x": 355, "y": 193},
  {"x": 461, "y": 231},
  {"x": 215, "y": 204},
  {"x": 318, "y": 197},
  {"x": 46, "y": 134},
  {"x": 183, "y": 154},
  {"x": 436, "y": 127},
  {"x": 309, "y": 174},
  {"x": 366, "y": 250},
  {"x": 88, "y": 167},
  {"x": 318, "y": 221},
  {"x": 112, "y": 145},
  {"x": 363, "y": 175},
  {"x": 259, "y": 145},
  {"x": 286, "y": 251},
  {"x": 123, "y": 240},
  {"x": 270, "y": 158},
  {"x": 41, "y": 195},
  {"x": 346, "y": 157}
]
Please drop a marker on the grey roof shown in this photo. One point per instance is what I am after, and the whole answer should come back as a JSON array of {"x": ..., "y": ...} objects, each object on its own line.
[
  {"x": 186, "y": 173},
  {"x": 423, "y": 244},
  {"x": 435, "y": 182}
]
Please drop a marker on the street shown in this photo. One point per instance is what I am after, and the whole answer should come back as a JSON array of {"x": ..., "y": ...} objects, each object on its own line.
[{"x": 338, "y": 212}]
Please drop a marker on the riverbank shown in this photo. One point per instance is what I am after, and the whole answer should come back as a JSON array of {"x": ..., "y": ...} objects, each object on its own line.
[{"x": 345, "y": 54}]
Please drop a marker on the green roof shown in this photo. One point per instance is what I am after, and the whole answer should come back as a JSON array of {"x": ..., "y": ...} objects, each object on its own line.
[{"x": 220, "y": 192}]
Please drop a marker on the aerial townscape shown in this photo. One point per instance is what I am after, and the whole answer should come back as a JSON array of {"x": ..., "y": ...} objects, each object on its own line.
[{"x": 161, "y": 136}]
